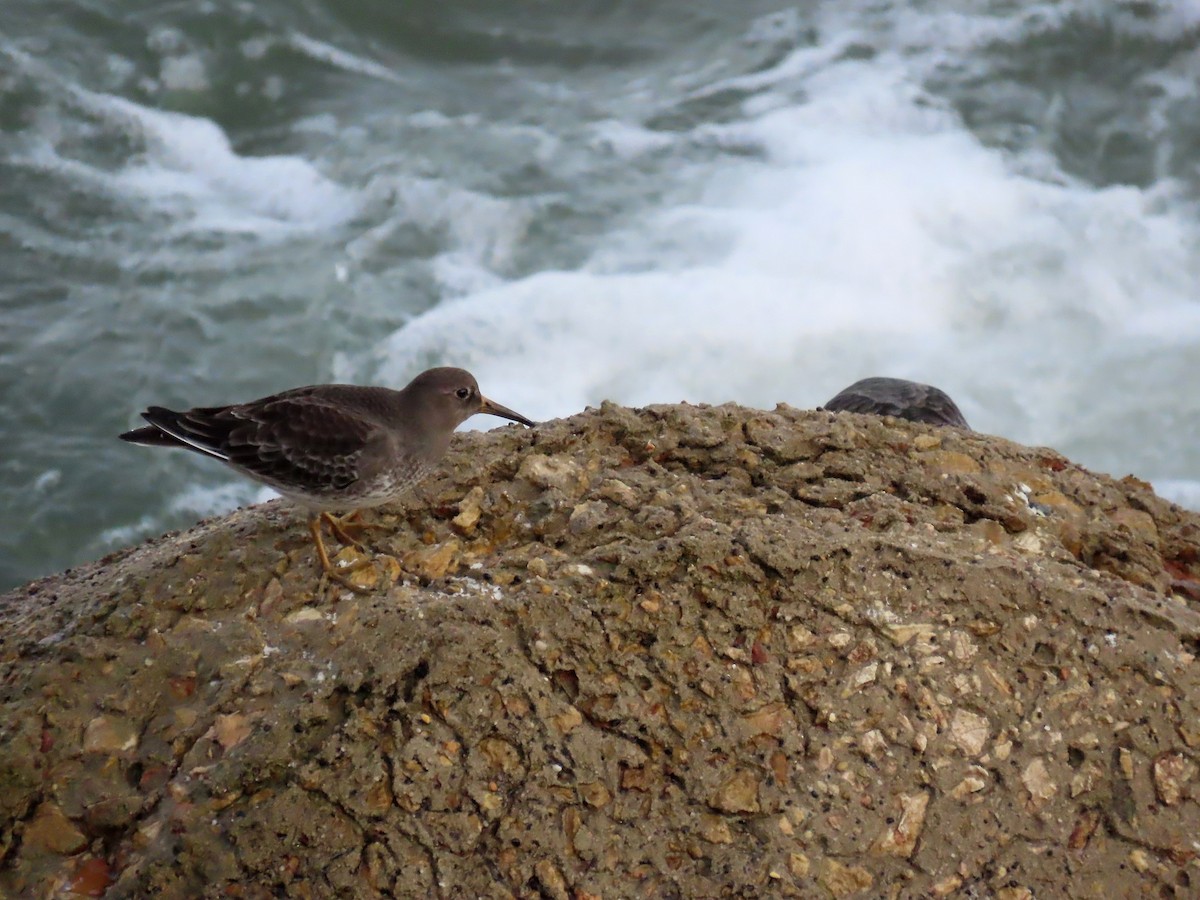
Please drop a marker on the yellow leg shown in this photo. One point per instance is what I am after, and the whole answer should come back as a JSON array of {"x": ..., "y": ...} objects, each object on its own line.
[
  {"x": 314, "y": 529},
  {"x": 340, "y": 527}
]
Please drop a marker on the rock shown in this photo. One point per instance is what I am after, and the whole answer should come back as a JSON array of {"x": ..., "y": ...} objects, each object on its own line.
[
  {"x": 1172, "y": 773},
  {"x": 715, "y": 830},
  {"x": 551, "y": 472},
  {"x": 737, "y": 794},
  {"x": 231, "y": 730},
  {"x": 105, "y": 734},
  {"x": 52, "y": 832},
  {"x": 432, "y": 563},
  {"x": 969, "y": 731},
  {"x": 469, "y": 511},
  {"x": 900, "y": 839},
  {"x": 595, "y": 794},
  {"x": 677, "y": 651},
  {"x": 1038, "y": 783},
  {"x": 845, "y": 881}
]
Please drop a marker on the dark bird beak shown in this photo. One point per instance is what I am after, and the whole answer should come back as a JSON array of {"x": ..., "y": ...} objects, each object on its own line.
[{"x": 495, "y": 409}]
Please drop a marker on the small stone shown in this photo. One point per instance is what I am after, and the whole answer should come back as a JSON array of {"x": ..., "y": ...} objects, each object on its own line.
[
  {"x": 1085, "y": 827},
  {"x": 798, "y": 865},
  {"x": 469, "y": 511},
  {"x": 1138, "y": 522},
  {"x": 537, "y": 566},
  {"x": 109, "y": 735},
  {"x": 594, "y": 793},
  {"x": 231, "y": 730},
  {"x": 1125, "y": 760},
  {"x": 962, "y": 647},
  {"x": 900, "y": 839},
  {"x": 52, "y": 832},
  {"x": 91, "y": 879},
  {"x": 1037, "y": 781},
  {"x": 588, "y": 517},
  {"x": 272, "y": 594},
  {"x": 946, "y": 886},
  {"x": 432, "y": 563},
  {"x": 366, "y": 577},
  {"x": 902, "y": 634},
  {"x": 303, "y": 615},
  {"x": 637, "y": 778},
  {"x": 182, "y": 687},
  {"x": 738, "y": 794},
  {"x": 860, "y": 679},
  {"x": 620, "y": 493},
  {"x": 552, "y": 881},
  {"x": 768, "y": 719},
  {"x": 389, "y": 566},
  {"x": 842, "y": 881},
  {"x": 799, "y": 638},
  {"x": 873, "y": 744},
  {"x": 954, "y": 462},
  {"x": 715, "y": 830},
  {"x": 971, "y": 784},
  {"x": 1171, "y": 772},
  {"x": 1030, "y": 542},
  {"x": 969, "y": 731},
  {"x": 501, "y": 755},
  {"x": 568, "y": 719},
  {"x": 551, "y": 472}
]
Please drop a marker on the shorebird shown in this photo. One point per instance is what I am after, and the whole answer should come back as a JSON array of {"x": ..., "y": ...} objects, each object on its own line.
[
  {"x": 900, "y": 398},
  {"x": 331, "y": 447}
]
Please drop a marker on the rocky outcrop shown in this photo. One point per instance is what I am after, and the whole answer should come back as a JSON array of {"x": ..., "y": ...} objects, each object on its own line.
[{"x": 672, "y": 652}]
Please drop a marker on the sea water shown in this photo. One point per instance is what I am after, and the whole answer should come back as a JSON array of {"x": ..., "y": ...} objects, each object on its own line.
[{"x": 643, "y": 202}]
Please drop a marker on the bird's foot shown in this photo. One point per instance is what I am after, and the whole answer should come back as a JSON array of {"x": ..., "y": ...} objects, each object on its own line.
[
  {"x": 328, "y": 571},
  {"x": 341, "y": 575},
  {"x": 348, "y": 529}
]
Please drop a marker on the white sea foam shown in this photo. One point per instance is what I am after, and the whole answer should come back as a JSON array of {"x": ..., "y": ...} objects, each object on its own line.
[
  {"x": 342, "y": 59},
  {"x": 203, "y": 501},
  {"x": 186, "y": 166},
  {"x": 872, "y": 235},
  {"x": 194, "y": 502},
  {"x": 480, "y": 232},
  {"x": 190, "y": 167},
  {"x": 1183, "y": 492}
]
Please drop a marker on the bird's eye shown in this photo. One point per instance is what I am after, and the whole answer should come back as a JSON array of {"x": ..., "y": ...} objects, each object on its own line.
[{"x": 462, "y": 393}]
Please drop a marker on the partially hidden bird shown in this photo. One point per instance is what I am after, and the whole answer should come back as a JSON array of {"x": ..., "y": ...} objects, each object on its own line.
[{"x": 901, "y": 398}]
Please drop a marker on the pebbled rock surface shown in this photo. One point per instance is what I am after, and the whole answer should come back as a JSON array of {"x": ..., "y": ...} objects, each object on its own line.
[{"x": 672, "y": 652}]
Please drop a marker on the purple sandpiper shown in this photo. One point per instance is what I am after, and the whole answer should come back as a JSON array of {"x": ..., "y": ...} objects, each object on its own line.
[
  {"x": 898, "y": 397},
  {"x": 331, "y": 446}
]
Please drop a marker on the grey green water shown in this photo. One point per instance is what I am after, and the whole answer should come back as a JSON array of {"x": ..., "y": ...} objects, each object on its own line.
[{"x": 653, "y": 201}]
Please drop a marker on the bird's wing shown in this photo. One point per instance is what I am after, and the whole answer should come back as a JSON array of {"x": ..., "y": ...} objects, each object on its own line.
[
  {"x": 297, "y": 441},
  {"x": 915, "y": 402},
  {"x": 935, "y": 407},
  {"x": 849, "y": 401}
]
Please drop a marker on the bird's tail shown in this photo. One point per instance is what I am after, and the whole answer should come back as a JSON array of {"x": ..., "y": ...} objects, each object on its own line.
[
  {"x": 159, "y": 433},
  {"x": 168, "y": 428},
  {"x": 150, "y": 436}
]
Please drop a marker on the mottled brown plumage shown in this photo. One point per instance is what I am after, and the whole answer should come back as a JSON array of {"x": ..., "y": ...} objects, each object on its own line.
[
  {"x": 898, "y": 397},
  {"x": 330, "y": 446}
]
